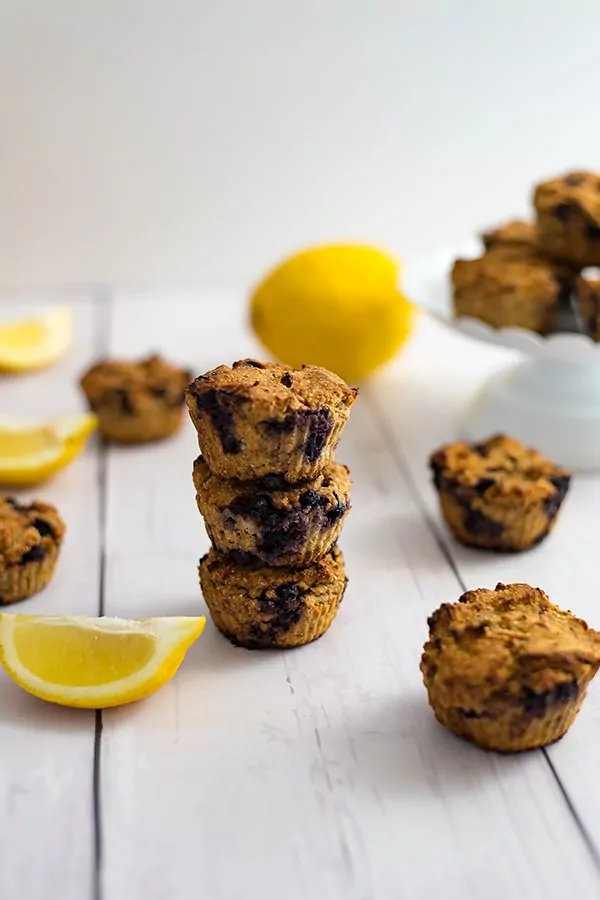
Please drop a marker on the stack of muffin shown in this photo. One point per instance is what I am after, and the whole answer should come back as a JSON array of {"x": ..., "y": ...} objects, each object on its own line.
[
  {"x": 539, "y": 275},
  {"x": 272, "y": 497}
]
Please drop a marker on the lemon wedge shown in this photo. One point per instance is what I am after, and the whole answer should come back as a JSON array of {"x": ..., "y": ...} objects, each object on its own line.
[
  {"x": 37, "y": 342},
  {"x": 32, "y": 453},
  {"x": 94, "y": 663}
]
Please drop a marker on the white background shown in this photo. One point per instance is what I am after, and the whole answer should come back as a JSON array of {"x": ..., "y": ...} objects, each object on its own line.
[{"x": 145, "y": 140}]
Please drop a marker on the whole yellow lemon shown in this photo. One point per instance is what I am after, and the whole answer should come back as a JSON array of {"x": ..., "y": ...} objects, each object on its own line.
[{"x": 336, "y": 306}]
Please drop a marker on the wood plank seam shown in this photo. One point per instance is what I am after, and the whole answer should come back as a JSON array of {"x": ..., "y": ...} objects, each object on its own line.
[
  {"x": 401, "y": 462},
  {"x": 103, "y": 299}
]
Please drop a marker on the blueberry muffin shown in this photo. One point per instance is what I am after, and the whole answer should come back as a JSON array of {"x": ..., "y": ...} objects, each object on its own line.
[
  {"x": 587, "y": 301},
  {"x": 525, "y": 291},
  {"x": 498, "y": 494},
  {"x": 507, "y": 669},
  {"x": 270, "y": 521},
  {"x": 279, "y": 607},
  {"x": 256, "y": 419},
  {"x": 136, "y": 401},
  {"x": 513, "y": 236},
  {"x": 31, "y": 535},
  {"x": 568, "y": 218}
]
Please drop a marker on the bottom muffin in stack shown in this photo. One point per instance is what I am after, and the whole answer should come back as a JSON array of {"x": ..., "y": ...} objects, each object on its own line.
[{"x": 257, "y": 607}]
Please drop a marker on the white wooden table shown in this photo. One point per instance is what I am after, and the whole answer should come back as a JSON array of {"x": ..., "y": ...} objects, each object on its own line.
[{"x": 316, "y": 774}]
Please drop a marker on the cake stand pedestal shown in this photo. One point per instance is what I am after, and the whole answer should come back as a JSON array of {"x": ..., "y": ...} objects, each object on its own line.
[
  {"x": 546, "y": 403},
  {"x": 550, "y": 400}
]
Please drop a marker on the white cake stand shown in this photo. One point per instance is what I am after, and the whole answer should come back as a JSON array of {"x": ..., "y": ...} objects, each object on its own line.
[{"x": 549, "y": 400}]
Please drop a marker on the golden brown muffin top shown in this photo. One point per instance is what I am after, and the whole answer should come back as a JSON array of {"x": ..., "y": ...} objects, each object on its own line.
[
  {"x": 260, "y": 581},
  {"x": 573, "y": 192},
  {"x": 27, "y": 531},
  {"x": 512, "y": 642},
  {"x": 498, "y": 272},
  {"x": 515, "y": 231},
  {"x": 277, "y": 385},
  {"x": 500, "y": 467},
  {"x": 148, "y": 377},
  {"x": 327, "y": 489}
]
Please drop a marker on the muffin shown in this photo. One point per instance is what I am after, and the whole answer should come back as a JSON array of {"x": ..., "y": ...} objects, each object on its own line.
[
  {"x": 499, "y": 494},
  {"x": 31, "y": 535},
  {"x": 587, "y": 302},
  {"x": 279, "y": 607},
  {"x": 136, "y": 401},
  {"x": 508, "y": 669},
  {"x": 568, "y": 218},
  {"x": 514, "y": 235},
  {"x": 511, "y": 290},
  {"x": 256, "y": 419},
  {"x": 270, "y": 521}
]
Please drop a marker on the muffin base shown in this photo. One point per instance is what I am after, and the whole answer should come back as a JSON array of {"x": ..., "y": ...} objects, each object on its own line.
[
  {"x": 512, "y": 287},
  {"x": 257, "y": 618},
  {"x": 283, "y": 525},
  {"x": 139, "y": 429},
  {"x": 18, "y": 582},
  {"x": 510, "y": 531},
  {"x": 297, "y": 446},
  {"x": 510, "y": 311},
  {"x": 512, "y": 732}
]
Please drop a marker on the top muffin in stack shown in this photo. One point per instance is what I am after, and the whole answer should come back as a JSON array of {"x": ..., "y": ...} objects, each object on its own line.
[
  {"x": 530, "y": 274},
  {"x": 256, "y": 419},
  {"x": 272, "y": 497}
]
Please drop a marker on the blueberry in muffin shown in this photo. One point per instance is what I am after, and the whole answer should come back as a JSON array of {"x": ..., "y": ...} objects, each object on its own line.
[
  {"x": 136, "y": 402},
  {"x": 568, "y": 218},
  {"x": 498, "y": 494},
  {"x": 271, "y": 521},
  {"x": 31, "y": 535},
  {"x": 255, "y": 419},
  {"x": 508, "y": 669},
  {"x": 272, "y": 607}
]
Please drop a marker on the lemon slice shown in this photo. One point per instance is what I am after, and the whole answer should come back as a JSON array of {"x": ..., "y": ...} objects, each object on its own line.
[
  {"x": 94, "y": 663},
  {"x": 32, "y": 453},
  {"x": 37, "y": 342}
]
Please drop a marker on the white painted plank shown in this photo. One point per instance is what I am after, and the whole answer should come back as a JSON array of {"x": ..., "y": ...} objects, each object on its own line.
[
  {"x": 46, "y": 753},
  {"x": 318, "y": 773},
  {"x": 443, "y": 371}
]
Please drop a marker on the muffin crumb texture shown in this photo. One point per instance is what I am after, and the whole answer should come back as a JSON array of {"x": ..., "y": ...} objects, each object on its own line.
[
  {"x": 507, "y": 668},
  {"x": 498, "y": 494},
  {"x": 31, "y": 535}
]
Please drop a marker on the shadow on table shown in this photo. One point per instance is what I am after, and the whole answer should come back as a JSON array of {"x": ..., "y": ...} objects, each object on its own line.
[
  {"x": 21, "y": 711},
  {"x": 213, "y": 653},
  {"x": 401, "y": 748}
]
